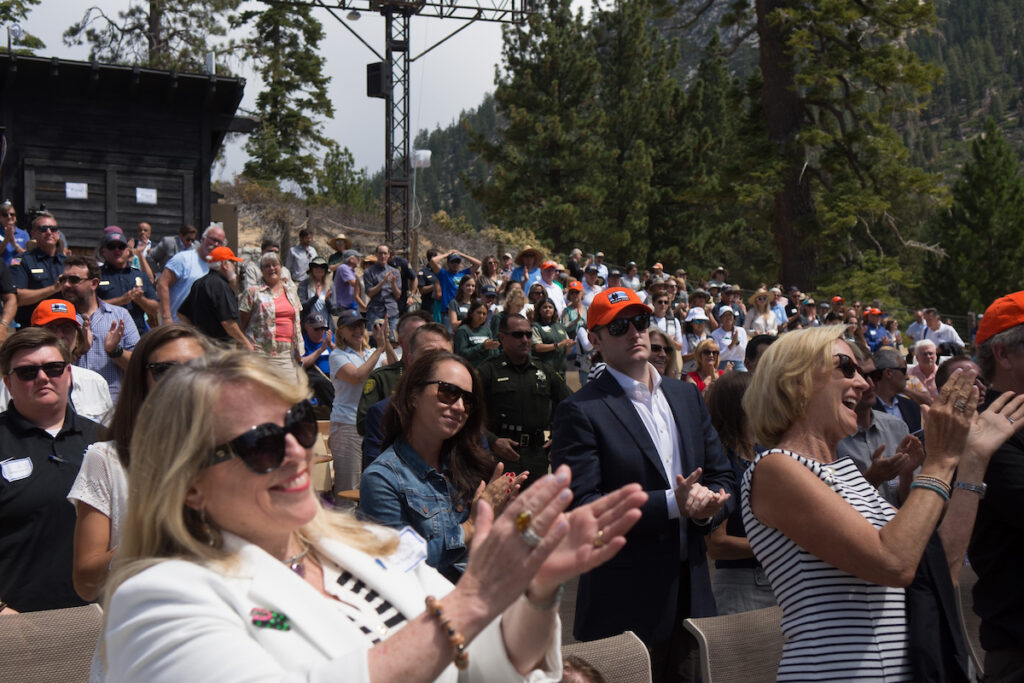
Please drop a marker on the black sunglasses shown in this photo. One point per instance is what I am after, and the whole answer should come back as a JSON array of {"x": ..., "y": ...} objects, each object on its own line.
[
  {"x": 47, "y": 228},
  {"x": 847, "y": 366},
  {"x": 658, "y": 348},
  {"x": 520, "y": 334},
  {"x": 27, "y": 373},
  {"x": 262, "y": 447},
  {"x": 117, "y": 246},
  {"x": 71, "y": 279},
  {"x": 448, "y": 394},
  {"x": 620, "y": 326},
  {"x": 709, "y": 352},
  {"x": 158, "y": 369}
]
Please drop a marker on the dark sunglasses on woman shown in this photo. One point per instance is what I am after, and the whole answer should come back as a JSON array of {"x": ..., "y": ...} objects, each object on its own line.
[
  {"x": 262, "y": 447},
  {"x": 620, "y": 326},
  {"x": 448, "y": 394},
  {"x": 658, "y": 348},
  {"x": 27, "y": 373},
  {"x": 847, "y": 366}
]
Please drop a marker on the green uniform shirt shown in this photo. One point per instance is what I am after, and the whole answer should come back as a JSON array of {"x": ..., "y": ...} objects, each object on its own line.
[
  {"x": 379, "y": 385},
  {"x": 520, "y": 403}
]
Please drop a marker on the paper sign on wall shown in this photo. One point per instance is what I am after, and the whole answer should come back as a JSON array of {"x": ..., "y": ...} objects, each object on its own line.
[
  {"x": 76, "y": 190},
  {"x": 145, "y": 195}
]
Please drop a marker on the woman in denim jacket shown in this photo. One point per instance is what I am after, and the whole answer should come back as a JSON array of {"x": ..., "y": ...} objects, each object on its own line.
[{"x": 433, "y": 467}]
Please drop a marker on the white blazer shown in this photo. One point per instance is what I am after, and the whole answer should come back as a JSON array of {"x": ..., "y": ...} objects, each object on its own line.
[{"x": 182, "y": 622}]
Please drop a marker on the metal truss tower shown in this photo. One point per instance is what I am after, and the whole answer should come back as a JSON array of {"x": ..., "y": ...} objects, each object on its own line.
[{"x": 394, "y": 82}]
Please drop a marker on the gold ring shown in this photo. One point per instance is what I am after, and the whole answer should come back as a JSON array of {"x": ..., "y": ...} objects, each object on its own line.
[
  {"x": 599, "y": 538},
  {"x": 523, "y": 520}
]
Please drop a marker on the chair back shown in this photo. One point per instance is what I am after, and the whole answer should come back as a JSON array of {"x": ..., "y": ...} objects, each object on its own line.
[
  {"x": 622, "y": 658},
  {"x": 54, "y": 645},
  {"x": 739, "y": 648},
  {"x": 969, "y": 621}
]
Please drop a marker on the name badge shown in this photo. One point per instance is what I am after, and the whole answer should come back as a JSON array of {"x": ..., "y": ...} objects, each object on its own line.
[
  {"x": 412, "y": 550},
  {"x": 36, "y": 271},
  {"x": 13, "y": 470},
  {"x": 104, "y": 283}
]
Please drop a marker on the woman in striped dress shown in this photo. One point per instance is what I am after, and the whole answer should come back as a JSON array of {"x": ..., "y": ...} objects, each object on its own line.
[{"x": 838, "y": 556}]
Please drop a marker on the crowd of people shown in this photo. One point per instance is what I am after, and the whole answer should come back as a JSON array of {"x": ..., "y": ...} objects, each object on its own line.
[{"x": 507, "y": 424}]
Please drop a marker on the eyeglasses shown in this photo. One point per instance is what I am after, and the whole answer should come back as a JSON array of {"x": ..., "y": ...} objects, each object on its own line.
[
  {"x": 188, "y": 240},
  {"x": 620, "y": 326},
  {"x": 47, "y": 228},
  {"x": 449, "y": 394},
  {"x": 709, "y": 352},
  {"x": 262, "y": 447},
  {"x": 658, "y": 348},
  {"x": 761, "y": 298},
  {"x": 158, "y": 369},
  {"x": 117, "y": 247},
  {"x": 8, "y": 214},
  {"x": 662, "y": 302},
  {"x": 27, "y": 373},
  {"x": 520, "y": 334},
  {"x": 847, "y": 366},
  {"x": 71, "y": 279},
  {"x": 215, "y": 241}
]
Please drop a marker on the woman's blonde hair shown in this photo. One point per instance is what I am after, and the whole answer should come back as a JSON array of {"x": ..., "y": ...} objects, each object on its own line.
[
  {"x": 671, "y": 367},
  {"x": 515, "y": 296},
  {"x": 175, "y": 435},
  {"x": 701, "y": 345},
  {"x": 785, "y": 377}
]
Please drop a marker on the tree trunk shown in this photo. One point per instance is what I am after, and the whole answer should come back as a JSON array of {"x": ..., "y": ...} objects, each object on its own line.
[
  {"x": 794, "y": 222},
  {"x": 154, "y": 35}
]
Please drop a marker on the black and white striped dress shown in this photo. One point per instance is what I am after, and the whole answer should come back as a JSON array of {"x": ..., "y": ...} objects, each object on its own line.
[{"x": 838, "y": 627}]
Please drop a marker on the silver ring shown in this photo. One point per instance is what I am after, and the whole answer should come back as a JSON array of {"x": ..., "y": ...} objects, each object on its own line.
[
  {"x": 1010, "y": 419},
  {"x": 531, "y": 538},
  {"x": 960, "y": 405}
]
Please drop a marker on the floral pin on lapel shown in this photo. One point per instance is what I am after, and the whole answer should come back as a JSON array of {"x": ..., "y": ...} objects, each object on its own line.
[{"x": 265, "y": 618}]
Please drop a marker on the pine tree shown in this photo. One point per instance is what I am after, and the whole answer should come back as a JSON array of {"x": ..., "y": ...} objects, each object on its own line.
[
  {"x": 547, "y": 157},
  {"x": 289, "y": 139},
  {"x": 15, "y": 12},
  {"x": 161, "y": 34},
  {"x": 983, "y": 232}
]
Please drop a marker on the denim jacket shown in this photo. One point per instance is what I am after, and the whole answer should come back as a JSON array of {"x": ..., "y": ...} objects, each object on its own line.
[{"x": 400, "y": 490}]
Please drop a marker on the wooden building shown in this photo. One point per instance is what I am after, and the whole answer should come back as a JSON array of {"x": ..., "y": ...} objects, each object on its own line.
[{"x": 100, "y": 144}]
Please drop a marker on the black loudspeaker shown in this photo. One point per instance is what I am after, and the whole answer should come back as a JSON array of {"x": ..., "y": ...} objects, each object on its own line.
[{"x": 377, "y": 80}]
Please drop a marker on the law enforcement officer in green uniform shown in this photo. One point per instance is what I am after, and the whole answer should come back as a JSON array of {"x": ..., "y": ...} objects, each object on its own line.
[
  {"x": 521, "y": 395},
  {"x": 382, "y": 381}
]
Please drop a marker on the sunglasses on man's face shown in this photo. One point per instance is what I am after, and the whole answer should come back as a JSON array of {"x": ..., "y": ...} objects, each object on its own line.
[
  {"x": 72, "y": 280},
  {"x": 47, "y": 228},
  {"x": 519, "y": 334},
  {"x": 620, "y": 326},
  {"x": 262, "y": 448},
  {"x": 449, "y": 394},
  {"x": 27, "y": 373},
  {"x": 847, "y": 366}
]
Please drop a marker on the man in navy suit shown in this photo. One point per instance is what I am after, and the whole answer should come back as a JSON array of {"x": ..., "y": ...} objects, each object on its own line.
[
  {"x": 890, "y": 379},
  {"x": 632, "y": 425}
]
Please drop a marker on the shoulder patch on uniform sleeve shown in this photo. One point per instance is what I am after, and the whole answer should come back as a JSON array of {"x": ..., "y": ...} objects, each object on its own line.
[
  {"x": 370, "y": 385},
  {"x": 16, "y": 261}
]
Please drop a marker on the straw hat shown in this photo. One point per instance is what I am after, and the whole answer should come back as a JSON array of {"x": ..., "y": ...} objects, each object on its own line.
[
  {"x": 339, "y": 239},
  {"x": 538, "y": 256}
]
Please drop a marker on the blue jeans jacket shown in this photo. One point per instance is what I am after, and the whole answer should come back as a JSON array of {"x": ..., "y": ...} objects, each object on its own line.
[{"x": 400, "y": 490}]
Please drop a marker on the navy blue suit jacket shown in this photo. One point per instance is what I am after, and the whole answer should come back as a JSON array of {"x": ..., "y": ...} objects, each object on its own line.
[
  {"x": 909, "y": 411},
  {"x": 374, "y": 430},
  {"x": 598, "y": 433}
]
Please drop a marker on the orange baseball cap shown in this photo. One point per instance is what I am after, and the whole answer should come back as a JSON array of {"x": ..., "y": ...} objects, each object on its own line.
[
  {"x": 549, "y": 264},
  {"x": 1004, "y": 313},
  {"x": 576, "y": 285},
  {"x": 612, "y": 303},
  {"x": 222, "y": 254},
  {"x": 52, "y": 310}
]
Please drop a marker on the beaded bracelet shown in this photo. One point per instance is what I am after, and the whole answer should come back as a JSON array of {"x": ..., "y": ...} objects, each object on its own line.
[
  {"x": 455, "y": 638},
  {"x": 930, "y": 487},
  {"x": 935, "y": 481}
]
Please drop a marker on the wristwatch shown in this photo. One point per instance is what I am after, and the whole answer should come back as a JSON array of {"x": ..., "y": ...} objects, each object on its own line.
[
  {"x": 117, "y": 353},
  {"x": 980, "y": 489}
]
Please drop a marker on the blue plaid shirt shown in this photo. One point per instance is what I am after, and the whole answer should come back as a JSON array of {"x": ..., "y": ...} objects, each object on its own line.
[{"x": 97, "y": 359}]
